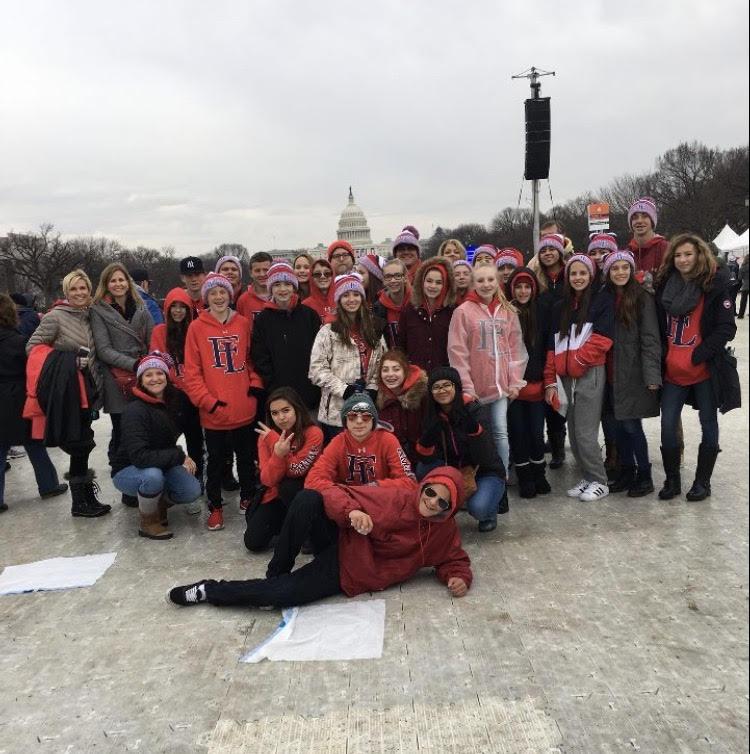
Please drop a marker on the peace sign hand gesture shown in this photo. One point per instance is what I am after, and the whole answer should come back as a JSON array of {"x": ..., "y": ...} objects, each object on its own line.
[
  {"x": 262, "y": 429},
  {"x": 283, "y": 444}
]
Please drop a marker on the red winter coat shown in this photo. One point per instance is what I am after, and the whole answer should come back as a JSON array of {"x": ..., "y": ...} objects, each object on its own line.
[
  {"x": 379, "y": 459},
  {"x": 218, "y": 368},
  {"x": 274, "y": 469},
  {"x": 648, "y": 258},
  {"x": 405, "y": 411},
  {"x": 401, "y": 541},
  {"x": 423, "y": 336}
]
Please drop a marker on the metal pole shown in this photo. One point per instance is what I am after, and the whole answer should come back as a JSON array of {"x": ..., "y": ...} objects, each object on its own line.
[{"x": 535, "y": 209}]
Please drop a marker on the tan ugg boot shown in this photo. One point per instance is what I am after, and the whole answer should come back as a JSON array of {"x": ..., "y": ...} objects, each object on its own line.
[{"x": 150, "y": 524}]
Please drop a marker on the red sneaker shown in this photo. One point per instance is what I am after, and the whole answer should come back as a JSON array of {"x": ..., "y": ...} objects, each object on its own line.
[{"x": 215, "y": 520}]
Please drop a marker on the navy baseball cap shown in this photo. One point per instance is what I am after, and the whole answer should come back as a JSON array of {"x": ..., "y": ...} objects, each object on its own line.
[{"x": 191, "y": 266}]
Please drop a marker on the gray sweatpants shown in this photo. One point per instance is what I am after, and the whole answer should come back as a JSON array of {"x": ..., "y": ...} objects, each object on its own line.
[{"x": 585, "y": 398}]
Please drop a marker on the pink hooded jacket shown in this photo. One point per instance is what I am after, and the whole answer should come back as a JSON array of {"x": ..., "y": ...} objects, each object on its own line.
[{"x": 485, "y": 345}]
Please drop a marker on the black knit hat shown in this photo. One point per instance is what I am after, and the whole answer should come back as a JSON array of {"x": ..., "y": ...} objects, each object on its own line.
[{"x": 445, "y": 373}]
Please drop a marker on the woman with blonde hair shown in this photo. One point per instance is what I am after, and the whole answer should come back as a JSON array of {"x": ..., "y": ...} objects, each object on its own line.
[
  {"x": 66, "y": 328},
  {"x": 696, "y": 319},
  {"x": 452, "y": 249},
  {"x": 122, "y": 329}
]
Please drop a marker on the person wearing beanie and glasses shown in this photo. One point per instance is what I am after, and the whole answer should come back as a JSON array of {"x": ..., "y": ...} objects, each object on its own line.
[
  {"x": 453, "y": 435},
  {"x": 346, "y": 354},
  {"x": 365, "y": 453},
  {"x": 392, "y": 299},
  {"x": 646, "y": 245},
  {"x": 283, "y": 337},
  {"x": 365, "y": 539},
  {"x": 633, "y": 372},
  {"x": 424, "y": 323},
  {"x": 252, "y": 302},
  {"x": 341, "y": 257},
  {"x": 149, "y": 464},
  {"x": 406, "y": 248},
  {"x": 526, "y": 413},
  {"x": 221, "y": 382},
  {"x": 580, "y": 337},
  {"x": 320, "y": 299}
]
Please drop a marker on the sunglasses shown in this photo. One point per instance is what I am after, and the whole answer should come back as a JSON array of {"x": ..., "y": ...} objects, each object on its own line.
[
  {"x": 364, "y": 415},
  {"x": 322, "y": 275},
  {"x": 443, "y": 504}
]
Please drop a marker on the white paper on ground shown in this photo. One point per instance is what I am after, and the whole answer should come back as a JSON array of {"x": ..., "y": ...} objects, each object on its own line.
[
  {"x": 55, "y": 573},
  {"x": 343, "y": 631}
]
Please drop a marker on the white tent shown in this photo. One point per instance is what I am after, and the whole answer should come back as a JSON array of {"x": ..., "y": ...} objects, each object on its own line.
[
  {"x": 740, "y": 248},
  {"x": 726, "y": 240}
]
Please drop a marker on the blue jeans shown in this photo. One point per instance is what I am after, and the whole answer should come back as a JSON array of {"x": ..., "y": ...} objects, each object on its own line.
[
  {"x": 483, "y": 504},
  {"x": 673, "y": 398},
  {"x": 632, "y": 446},
  {"x": 177, "y": 483},
  {"x": 497, "y": 411},
  {"x": 44, "y": 470}
]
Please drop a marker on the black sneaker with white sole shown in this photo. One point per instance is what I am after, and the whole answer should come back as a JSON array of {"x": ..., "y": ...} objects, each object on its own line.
[{"x": 192, "y": 594}]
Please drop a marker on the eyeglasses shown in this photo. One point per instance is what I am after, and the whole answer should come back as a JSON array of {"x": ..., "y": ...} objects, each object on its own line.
[
  {"x": 394, "y": 276},
  {"x": 443, "y": 504},
  {"x": 442, "y": 387},
  {"x": 405, "y": 250},
  {"x": 364, "y": 415},
  {"x": 342, "y": 255},
  {"x": 322, "y": 275}
]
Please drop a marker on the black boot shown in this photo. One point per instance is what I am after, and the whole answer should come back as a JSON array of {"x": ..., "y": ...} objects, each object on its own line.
[
  {"x": 557, "y": 441},
  {"x": 701, "y": 488},
  {"x": 643, "y": 484},
  {"x": 526, "y": 482},
  {"x": 624, "y": 479},
  {"x": 673, "y": 483},
  {"x": 85, "y": 503},
  {"x": 540, "y": 478}
]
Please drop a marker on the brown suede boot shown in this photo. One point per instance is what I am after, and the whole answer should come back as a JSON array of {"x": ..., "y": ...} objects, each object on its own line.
[
  {"x": 150, "y": 525},
  {"x": 164, "y": 505}
]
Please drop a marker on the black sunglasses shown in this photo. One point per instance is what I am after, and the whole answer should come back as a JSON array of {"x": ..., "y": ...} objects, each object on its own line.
[{"x": 443, "y": 504}]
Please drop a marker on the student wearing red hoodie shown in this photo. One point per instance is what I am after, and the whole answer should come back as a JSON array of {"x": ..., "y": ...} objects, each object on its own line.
[
  {"x": 580, "y": 337},
  {"x": 365, "y": 539},
  {"x": 423, "y": 327},
  {"x": 320, "y": 299},
  {"x": 221, "y": 382},
  {"x": 148, "y": 463},
  {"x": 169, "y": 338},
  {"x": 289, "y": 445},
  {"x": 647, "y": 247},
  {"x": 252, "y": 302},
  {"x": 402, "y": 398},
  {"x": 696, "y": 319},
  {"x": 363, "y": 454},
  {"x": 283, "y": 337},
  {"x": 392, "y": 299}
]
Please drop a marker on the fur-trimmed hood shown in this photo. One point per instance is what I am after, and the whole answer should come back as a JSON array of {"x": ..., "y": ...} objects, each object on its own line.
[
  {"x": 412, "y": 395},
  {"x": 448, "y": 295}
]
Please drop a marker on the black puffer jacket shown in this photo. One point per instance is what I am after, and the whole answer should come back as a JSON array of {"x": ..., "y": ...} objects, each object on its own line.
[
  {"x": 149, "y": 435},
  {"x": 14, "y": 429}
]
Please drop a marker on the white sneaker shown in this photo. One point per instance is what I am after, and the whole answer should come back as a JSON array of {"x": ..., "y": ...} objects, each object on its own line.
[
  {"x": 16, "y": 452},
  {"x": 595, "y": 491},
  {"x": 579, "y": 488}
]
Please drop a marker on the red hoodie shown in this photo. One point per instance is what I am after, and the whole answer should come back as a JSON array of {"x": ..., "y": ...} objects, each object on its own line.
[
  {"x": 159, "y": 334},
  {"x": 379, "y": 459},
  {"x": 218, "y": 368},
  {"x": 250, "y": 304},
  {"x": 648, "y": 258},
  {"x": 321, "y": 303},
  {"x": 401, "y": 542},
  {"x": 274, "y": 469}
]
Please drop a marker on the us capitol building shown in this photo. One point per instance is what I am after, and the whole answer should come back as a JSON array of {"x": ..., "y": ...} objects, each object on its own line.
[{"x": 353, "y": 228}]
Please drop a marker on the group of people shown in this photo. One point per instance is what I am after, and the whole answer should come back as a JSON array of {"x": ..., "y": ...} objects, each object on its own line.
[{"x": 376, "y": 395}]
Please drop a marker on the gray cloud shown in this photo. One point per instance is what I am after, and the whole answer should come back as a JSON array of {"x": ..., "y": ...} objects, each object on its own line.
[{"x": 193, "y": 124}]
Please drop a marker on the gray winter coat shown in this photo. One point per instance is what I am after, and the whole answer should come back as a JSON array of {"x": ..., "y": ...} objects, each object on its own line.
[
  {"x": 119, "y": 343},
  {"x": 637, "y": 363},
  {"x": 66, "y": 328}
]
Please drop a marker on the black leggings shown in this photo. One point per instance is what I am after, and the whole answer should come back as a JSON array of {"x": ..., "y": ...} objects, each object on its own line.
[
  {"x": 284, "y": 588},
  {"x": 264, "y": 520},
  {"x": 80, "y": 450},
  {"x": 220, "y": 443}
]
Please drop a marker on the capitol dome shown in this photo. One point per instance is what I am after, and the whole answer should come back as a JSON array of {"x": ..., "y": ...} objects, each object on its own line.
[{"x": 353, "y": 225}]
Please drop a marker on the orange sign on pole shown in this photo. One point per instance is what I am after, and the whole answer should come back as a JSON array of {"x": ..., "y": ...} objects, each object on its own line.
[{"x": 598, "y": 216}]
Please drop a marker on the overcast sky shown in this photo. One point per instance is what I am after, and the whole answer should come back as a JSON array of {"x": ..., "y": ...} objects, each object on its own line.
[{"x": 196, "y": 123}]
